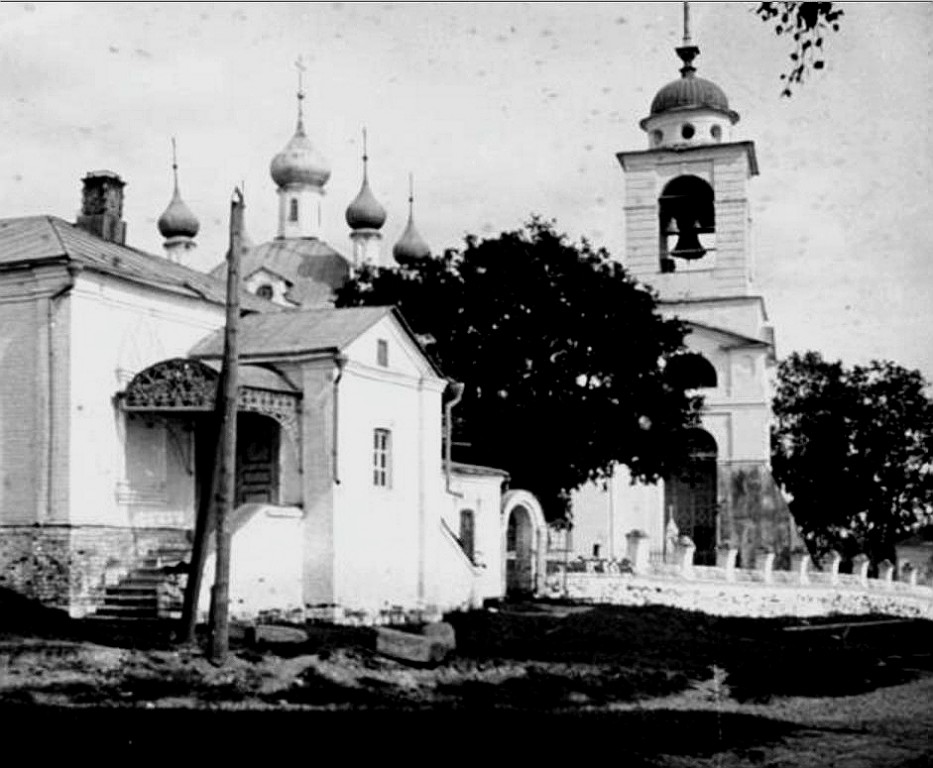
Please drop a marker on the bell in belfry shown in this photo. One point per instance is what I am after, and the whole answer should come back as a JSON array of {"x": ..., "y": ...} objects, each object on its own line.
[{"x": 688, "y": 243}]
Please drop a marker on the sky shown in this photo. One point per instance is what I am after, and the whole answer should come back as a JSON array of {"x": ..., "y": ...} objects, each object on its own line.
[{"x": 500, "y": 111}]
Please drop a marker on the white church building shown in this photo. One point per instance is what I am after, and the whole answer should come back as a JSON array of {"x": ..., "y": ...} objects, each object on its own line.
[
  {"x": 688, "y": 235},
  {"x": 347, "y": 504}
]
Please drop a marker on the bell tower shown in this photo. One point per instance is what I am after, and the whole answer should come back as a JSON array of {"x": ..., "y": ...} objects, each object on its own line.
[{"x": 687, "y": 210}]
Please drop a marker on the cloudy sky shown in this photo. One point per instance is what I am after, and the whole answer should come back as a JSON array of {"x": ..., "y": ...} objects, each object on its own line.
[{"x": 500, "y": 111}]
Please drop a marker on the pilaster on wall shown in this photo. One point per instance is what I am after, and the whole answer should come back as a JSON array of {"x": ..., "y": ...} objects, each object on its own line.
[
  {"x": 318, "y": 421},
  {"x": 34, "y": 379}
]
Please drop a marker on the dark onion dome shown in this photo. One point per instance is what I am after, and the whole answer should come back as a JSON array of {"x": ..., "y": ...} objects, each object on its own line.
[
  {"x": 365, "y": 212},
  {"x": 410, "y": 246},
  {"x": 299, "y": 162},
  {"x": 178, "y": 220}
]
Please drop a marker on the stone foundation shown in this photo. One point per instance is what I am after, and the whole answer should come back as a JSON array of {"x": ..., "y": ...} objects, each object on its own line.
[
  {"x": 754, "y": 597},
  {"x": 69, "y": 567}
]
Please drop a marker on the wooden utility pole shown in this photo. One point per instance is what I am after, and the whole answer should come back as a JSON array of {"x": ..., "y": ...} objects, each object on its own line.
[
  {"x": 204, "y": 524},
  {"x": 226, "y": 472}
]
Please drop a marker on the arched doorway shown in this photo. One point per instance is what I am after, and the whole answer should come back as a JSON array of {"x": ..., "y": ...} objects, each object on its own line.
[
  {"x": 690, "y": 495},
  {"x": 523, "y": 543}
]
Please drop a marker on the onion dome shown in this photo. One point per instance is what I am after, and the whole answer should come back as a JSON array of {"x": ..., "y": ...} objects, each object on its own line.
[
  {"x": 299, "y": 162},
  {"x": 365, "y": 212},
  {"x": 177, "y": 220},
  {"x": 410, "y": 246}
]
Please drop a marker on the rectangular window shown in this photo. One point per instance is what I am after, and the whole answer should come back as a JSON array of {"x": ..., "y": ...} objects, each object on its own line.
[
  {"x": 382, "y": 458},
  {"x": 382, "y": 352}
]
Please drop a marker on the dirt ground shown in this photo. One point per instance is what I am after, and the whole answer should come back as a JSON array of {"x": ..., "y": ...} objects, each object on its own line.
[{"x": 672, "y": 688}]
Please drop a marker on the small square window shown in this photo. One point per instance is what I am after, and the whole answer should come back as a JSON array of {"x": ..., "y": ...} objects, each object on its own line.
[
  {"x": 382, "y": 353},
  {"x": 382, "y": 458}
]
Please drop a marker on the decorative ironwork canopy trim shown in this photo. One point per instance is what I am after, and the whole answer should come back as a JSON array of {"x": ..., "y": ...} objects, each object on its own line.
[{"x": 184, "y": 385}]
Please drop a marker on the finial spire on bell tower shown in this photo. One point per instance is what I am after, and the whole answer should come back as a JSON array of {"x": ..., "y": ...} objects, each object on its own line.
[{"x": 688, "y": 51}]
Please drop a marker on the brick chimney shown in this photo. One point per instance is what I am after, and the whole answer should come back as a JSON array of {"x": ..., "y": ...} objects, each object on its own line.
[{"x": 102, "y": 206}]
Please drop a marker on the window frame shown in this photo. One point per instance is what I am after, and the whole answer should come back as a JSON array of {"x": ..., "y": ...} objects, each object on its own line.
[{"x": 382, "y": 458}]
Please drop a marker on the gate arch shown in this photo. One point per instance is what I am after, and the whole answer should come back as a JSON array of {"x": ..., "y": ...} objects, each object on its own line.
[{"x": 524, "y": 543}]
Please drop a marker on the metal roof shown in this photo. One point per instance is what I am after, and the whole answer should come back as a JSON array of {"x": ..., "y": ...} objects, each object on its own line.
[
  {"x": 295, "y": 331},
  {"x": 313, "y": 268},
  {"x": 35, "y": 239},
  {"x": 305, "y": 331},
  {"x": 257, "y": 377}
]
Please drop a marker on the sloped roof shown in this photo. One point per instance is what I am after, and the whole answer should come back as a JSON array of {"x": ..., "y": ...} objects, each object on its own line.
[
  {"x": 48, "y": 238},
  {"x": 294, "y": 331},
  {"x": 311, "y": 265},
  {"x": 459, "y": 468},
  {"x": 257, "y": 377},
  {"x": 304, "y": 331},
  {"x": 739, "y": 338}
]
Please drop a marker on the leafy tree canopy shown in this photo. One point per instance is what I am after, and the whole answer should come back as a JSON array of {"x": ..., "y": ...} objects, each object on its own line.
[
  {"x": 561, "y": 353},
  {"x": 854, "y": 447},
  {"x": 808, "y": 24}
]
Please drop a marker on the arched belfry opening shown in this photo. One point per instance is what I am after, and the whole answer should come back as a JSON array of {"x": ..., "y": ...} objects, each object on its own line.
[
  {"x": 691, "y": 370},
  {"x": 687, "y": 221},
  {"x": 690, "y": 495}
]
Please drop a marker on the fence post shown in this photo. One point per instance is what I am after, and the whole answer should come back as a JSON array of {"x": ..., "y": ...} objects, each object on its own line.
[
  {"x": 909, "y": 573},
  {"x": 766, "y": 564},
  {"x": 683, "y": 551},
  {"x": 835, "y": 558},
  {"x": 800, "y": 565},
  {"x": 886, "y": 572},
  {"x": 637, "y": 550},
  {"x": 726, "y": 555},
  {"x": 860, "y": 565}
]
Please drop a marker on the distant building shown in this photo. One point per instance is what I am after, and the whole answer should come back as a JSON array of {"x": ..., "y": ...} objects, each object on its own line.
[{"x": 688, "y": 234}]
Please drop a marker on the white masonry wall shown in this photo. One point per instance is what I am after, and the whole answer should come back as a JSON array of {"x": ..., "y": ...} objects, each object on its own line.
[
  {"x": 382, "y": 535},
  {"x": 118, "y": 329}
]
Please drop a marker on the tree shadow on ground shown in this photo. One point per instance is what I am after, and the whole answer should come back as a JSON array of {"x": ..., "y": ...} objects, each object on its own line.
[{"x": 641, "y": 734}]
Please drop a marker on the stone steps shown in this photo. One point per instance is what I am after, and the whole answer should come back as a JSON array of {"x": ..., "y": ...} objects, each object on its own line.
[{"x": 137, "y": 595}]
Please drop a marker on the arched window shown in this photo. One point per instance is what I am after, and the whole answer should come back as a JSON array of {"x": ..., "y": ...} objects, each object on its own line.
[
  {"x": 690, "y": 370},
  {"x": 468, "y": 532},
  {"x": 687, "y": 221},
  {"x": 293, "y": 210}
]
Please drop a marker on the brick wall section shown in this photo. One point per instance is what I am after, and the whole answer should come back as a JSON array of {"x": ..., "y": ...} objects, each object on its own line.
[{"x": 70, "y": 567}]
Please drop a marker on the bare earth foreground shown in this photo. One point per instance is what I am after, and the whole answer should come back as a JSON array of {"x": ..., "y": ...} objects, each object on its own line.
[{"x": 657, "y": 686}]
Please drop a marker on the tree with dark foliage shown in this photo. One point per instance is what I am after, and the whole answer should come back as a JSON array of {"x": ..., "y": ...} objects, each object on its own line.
[
  {"x": 808, "y": 24},
  {"x": 561, "y": 353},
  {"x": 854, "y": 447}
]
